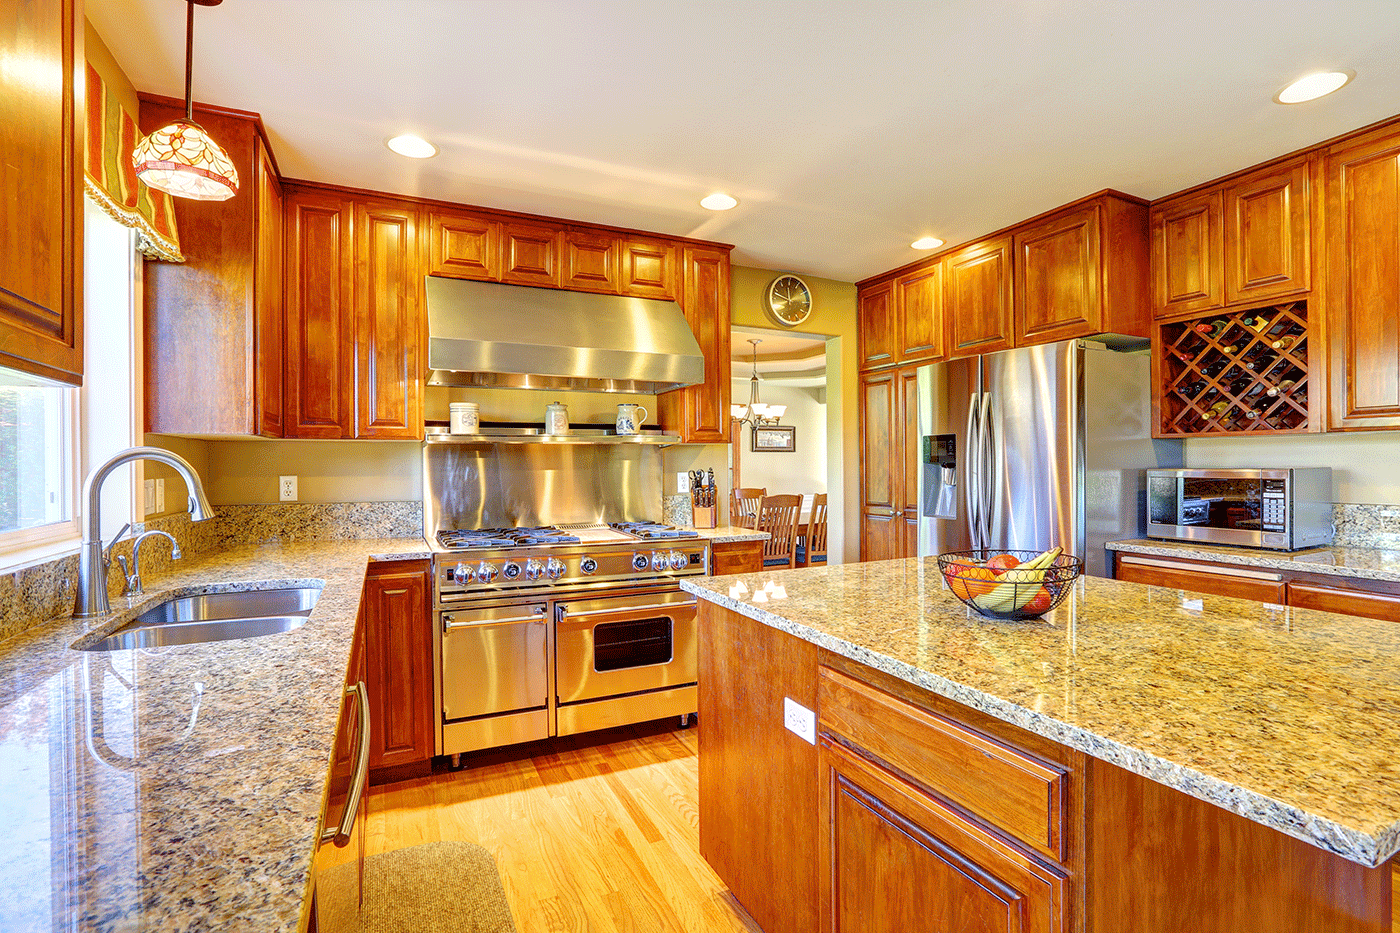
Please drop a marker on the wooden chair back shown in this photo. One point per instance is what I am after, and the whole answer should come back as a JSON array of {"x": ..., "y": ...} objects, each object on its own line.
[
  {"x": 777, "y": 515},
  {"x": 743, "y": 506},
  {"x": 814, "y": 547}
]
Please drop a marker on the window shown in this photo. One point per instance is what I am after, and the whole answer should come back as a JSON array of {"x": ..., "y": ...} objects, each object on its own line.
[{"x": 36, "y": 454}]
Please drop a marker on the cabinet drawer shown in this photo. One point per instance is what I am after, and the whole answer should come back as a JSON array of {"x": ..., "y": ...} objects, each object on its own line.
[
  {"x": 1212, "y": 579},
  {"x": 1348, "y": 602},
  {"x": 1012, "y": 791}
]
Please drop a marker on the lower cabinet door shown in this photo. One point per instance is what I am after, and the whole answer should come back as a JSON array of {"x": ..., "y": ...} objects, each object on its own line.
[
  {"x": 1352, "y": 602},
  {"x": 880, "y": 536},
  {"x": 1211, "y": 579},
  {"x": 895, "y": 859}
]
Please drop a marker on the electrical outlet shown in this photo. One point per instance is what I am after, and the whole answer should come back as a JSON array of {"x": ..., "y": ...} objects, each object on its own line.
[
  {"x": 287, "y": 488},
  {"x": 160, "y": 495},
  {"x": 682, "y": 482},
  {"x": 799, "y": 720},
  {"x": 150, "y": 496}
]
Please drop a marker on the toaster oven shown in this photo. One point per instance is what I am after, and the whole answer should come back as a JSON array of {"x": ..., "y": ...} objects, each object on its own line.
[{"x": 1280, "y": 509}]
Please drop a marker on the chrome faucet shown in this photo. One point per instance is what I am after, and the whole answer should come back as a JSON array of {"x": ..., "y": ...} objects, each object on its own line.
[
  {"x": 93, "y": 562},
  {"x": 132, "y": 587}
]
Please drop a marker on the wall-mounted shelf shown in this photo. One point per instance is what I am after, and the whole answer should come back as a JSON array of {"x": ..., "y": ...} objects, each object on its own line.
[
  {"x": 1236, "y": 372},
  {"x": 533, "y": 434}
]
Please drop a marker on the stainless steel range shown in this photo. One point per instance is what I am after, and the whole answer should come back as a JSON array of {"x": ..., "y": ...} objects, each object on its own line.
[{"x": 559, "y": 630}]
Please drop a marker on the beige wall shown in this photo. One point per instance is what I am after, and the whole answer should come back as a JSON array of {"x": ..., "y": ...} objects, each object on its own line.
[
  {"x": 1365, "y": 465},
  {"x": 804, "y": 470}
]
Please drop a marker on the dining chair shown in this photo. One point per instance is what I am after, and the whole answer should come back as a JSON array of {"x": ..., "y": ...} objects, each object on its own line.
[
  {"x": 743, "y": 506},
  {"x": 812, "y": 549},
  {"x": 777, "y": 515}
]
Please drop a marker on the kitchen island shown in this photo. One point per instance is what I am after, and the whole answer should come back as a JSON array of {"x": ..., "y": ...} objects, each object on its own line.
[
  {"x": 1143, "y": 759},
  {"x": 180, "y": 787}
]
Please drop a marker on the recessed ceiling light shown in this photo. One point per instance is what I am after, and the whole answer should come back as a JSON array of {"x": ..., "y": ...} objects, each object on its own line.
[
  {"x": 415, "y": 147},
  {"x": 1313, "y": 86},
  {"x": 717, "y": 202},
  {"x": 927, "y": 242}
]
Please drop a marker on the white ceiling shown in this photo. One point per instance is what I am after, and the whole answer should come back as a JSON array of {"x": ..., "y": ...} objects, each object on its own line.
[{"x": 846, "y": 129}]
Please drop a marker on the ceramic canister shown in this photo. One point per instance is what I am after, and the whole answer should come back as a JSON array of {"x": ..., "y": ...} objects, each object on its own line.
[
  {"x": 556, "y": 418},
  {"x": 465, "y": 417},
  {"x": 630, "y": 418}
]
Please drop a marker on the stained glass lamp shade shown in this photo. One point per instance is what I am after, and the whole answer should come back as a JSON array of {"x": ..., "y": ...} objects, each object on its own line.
[{"x": 181, "y": 158}]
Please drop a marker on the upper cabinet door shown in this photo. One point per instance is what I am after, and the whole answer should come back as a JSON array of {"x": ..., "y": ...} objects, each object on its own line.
[
  {"x": 531, "y": 253},
  {"x": 1188, "y": 255},
  {"x": 1267, "y": 235},
  {"x": 705, "y": 407},
  {"x": 41, "y": 185},
  {"x": 977, "y": 306},
  {"x": 648, "y": 268},
  {"x": 1059, "y": 277},
  {"x": 320, "y": 321},
  {"x": 464, "y": 246},
  {"x": 876, "y": 321},
  {"x": 1363, "y": 282},
  {"x": 590, "y": 261},
  {"x": 389, "y": 322},
  {"x": 919, "y": 311}
]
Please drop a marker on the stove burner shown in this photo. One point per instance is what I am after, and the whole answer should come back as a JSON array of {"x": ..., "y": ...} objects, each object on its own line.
[
  {"x": 463, "y": 539},
  {"x": 650, "y": 530}
]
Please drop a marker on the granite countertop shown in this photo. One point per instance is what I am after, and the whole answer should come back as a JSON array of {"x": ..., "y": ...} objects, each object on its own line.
[
  {"x": 726, "y": 534},
  {"x": 1288, "y": 717},
  {"x": 1360, "y": 562},
  {"x": 122, "y": 810}
]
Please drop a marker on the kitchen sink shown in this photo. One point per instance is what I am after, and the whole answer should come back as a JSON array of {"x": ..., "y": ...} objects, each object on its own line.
[{"x": 190, "y": 620}]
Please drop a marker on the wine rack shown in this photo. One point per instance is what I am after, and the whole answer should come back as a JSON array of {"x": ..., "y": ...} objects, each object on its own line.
[{"x": 1235, "y": 372}]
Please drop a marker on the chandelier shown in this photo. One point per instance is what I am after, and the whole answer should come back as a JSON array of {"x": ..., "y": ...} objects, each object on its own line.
[{"x": 755, "y": 412}]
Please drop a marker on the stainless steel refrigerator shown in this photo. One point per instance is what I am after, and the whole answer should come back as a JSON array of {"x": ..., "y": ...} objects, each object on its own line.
[{"x": 1038, "y": 447}]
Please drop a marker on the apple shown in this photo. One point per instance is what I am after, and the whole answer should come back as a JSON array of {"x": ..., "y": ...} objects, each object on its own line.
[{"x": 1000, "y": 563}]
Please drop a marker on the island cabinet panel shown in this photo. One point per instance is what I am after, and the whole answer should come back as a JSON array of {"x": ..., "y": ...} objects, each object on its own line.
[
  {"x": 1188, "y": 254},
  {"x": 1268, "y": 234},
  {"x": 648, "y": 268},
  {"x": 876, "y": 325},
  {"x": 399, "y": 655},
  {"x": 389, "y": 321},
  {"x": 700, "y": 413},
  {"x": 1362, "y": 182},
  {"x": 530, "y": 253},
  {"x": 758, "y": 781},
  {"x": 977, "y": 302},
  {"x": 320, "y": 361},
  {"x": 1352, "y": 601},
  {"x": 1160, "y": 861},
  {"x": 728, "y": 557},
  {"x": 464, "y": 245},
  {"x": 41, "y": 183},
  {"x": 896, "y": 859},
  {"x": 919, "y": 312}
]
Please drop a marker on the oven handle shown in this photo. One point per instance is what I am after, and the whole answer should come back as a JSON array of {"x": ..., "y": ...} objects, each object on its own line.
[
  {"x": 516, "y": 620},
  {"x": 615, "y": 610}
]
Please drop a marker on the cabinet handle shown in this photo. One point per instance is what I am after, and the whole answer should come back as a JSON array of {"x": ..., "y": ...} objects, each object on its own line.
[
  {"x": 341, "y": 835},
  {"x": 618, "y": 610},
  {"x": 1201, "y": 568},
  {"x": 450, "y": 626}
]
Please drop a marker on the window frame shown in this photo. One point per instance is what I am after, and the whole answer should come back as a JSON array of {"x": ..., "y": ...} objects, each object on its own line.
[{"x": 25, "y": 547}]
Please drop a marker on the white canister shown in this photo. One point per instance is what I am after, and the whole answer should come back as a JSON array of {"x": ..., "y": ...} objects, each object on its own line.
[
  {"x": 465, "y": 417},
  {"x": 630, "y": 418},
  {"x": 556, "y": 418}
]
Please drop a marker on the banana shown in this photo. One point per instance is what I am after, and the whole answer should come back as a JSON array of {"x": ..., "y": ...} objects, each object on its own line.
[{"x": 1014, "y": 594}]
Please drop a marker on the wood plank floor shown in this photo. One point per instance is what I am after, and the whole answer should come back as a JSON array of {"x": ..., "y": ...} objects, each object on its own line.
[{"x": 594, "y": 838}]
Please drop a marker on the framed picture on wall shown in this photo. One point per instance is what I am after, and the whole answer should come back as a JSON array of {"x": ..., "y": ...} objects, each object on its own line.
[{"x": 774, "y": 438}]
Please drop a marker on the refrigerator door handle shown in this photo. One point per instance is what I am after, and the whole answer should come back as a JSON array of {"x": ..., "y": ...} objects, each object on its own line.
[
  {"x": 972, "y": 494},
  {"x": 995, "y": 460}
]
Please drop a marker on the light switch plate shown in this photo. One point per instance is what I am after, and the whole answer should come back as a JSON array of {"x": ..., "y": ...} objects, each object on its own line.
[
  {"x": 287, "y": 488},
  {"x": 799, "y": 720},
  {"x": 160, "y": 495},
  {"x": 150, "y": 485}
]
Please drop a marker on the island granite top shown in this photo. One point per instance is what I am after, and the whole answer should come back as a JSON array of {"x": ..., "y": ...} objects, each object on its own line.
[
  {"x": 1288, "y": 717},
  {"x": 177, "y": 788}
]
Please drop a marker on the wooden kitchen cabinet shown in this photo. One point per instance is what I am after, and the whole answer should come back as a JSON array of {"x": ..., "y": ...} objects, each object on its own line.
[
  {"x": 1188, "y": 254},
  {"x": 728, "y": 557},
  {"x": 320, "y": 349},
  {"x": 399, "y": 654},
  {"x": 977, "y": 303},
  {"x": 1347, "y": 600},
  {"x": 1213, "y": 579},
  {"x": 648, "y": 268},
  {"x": 919, "y": 314},
  {"x": 464, "y": 245},
  {"x": 41, "y": 239},
  {"x": 700, "y": 413},
  {"x": 876, "y": 321},
  {"x": 389, "y": 321},
  {"x": 881, "y": 476},
  {"x": 590, "y": 260},
  {"x": 530, "y": 253},
  {"x": 1268, "y": 234},
  {"x": 214, "y": 324},
  {"x": 1363, "y": 281}
]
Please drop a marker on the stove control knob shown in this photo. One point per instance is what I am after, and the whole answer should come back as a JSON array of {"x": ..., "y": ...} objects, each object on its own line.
[
  {"x": 588, "y": 565},
  {"x": 639, "y": 561},
  {"x": 554, "y": 568},
  {"x": 658, "y": 561},
  {"x": 462, "y": 575},
  {"x": 533, "y": 570},
  {"x": 678, "y": 560},
  {"x": 485, "y": 572},
  {"x": 511, "y": 570}
]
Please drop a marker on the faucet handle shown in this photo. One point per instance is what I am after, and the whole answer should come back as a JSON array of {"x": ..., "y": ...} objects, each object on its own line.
[
  {"x": 132, "y": 578},
  {"x": 115, "y": 538}
]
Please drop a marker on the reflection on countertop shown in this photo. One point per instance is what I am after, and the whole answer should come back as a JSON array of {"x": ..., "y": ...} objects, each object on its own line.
[
  {"x": 1363, "y": 563},
  {"x": 178, "y": 787},
  {"x": 1288, "y": 717}
]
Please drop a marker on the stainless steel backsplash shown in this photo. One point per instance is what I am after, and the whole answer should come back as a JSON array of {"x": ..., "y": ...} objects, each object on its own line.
[{"x": 508, "y": 485}]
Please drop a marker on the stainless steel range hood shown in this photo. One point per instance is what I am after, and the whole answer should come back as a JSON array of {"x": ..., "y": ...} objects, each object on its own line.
[{"x": 489, "y": 335}]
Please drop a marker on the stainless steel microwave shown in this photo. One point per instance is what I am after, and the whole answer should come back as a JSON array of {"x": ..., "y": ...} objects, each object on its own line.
[{"x": 1281, "y": 509}]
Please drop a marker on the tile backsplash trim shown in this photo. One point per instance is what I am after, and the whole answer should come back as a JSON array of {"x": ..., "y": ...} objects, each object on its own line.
[{"x": 30, "y": 596}]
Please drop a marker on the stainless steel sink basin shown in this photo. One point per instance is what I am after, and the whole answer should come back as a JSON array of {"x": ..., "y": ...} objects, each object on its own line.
[{"x": 189, "y": 620}]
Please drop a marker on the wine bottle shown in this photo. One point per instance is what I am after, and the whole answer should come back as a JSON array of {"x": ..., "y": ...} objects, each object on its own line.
[
  {"x": 1284, "y": 342},
  {"x": 1183, "y": 357},
  {"x": 1255, "y": 322},
  {"x": 1281, "y": 387},
  {"x": 1214, "y": 367},
  {"x": 1213, "y": 328},
  {"x": 1240, "y": 386},
  {"x": 1218, "y": 409},
  {"x": 1190, "y": 390},
  {"x": 1252, "y": 414}
]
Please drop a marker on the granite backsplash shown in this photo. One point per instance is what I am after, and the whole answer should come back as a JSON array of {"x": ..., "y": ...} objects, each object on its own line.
[
  {"x": 1366, "y": 525},
  {"x": 35, "y": 594}
]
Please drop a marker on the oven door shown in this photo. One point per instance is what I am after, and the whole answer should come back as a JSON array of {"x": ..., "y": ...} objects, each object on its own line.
[
  {"x": 494, "y": 660},
  {"x": 618, "y": 645}
]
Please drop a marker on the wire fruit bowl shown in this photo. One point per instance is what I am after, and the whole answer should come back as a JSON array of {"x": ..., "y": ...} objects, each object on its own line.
[{"x": 995, "y": 584}]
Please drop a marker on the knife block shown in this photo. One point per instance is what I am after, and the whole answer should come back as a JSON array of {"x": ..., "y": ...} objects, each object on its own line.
[{"x": 704, "y": 516}]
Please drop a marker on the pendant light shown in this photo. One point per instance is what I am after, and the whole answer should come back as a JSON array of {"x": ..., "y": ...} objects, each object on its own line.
[
  {"x": 180, "y": 158},
  {"x": 755, "y": 412}
]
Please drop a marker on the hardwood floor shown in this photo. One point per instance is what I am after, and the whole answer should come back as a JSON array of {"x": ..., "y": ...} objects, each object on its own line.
[{"x": 588, "y": 837}]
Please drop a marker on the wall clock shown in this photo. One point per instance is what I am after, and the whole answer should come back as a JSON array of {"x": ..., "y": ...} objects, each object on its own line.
[{"x": 788, "y": 300}]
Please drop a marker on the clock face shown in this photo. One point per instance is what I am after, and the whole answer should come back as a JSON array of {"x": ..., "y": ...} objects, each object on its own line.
[{"x": 789, "y": 300}]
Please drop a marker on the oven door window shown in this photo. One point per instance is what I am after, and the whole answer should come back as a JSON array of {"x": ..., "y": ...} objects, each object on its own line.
[{"x": 633, "y": 643}]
